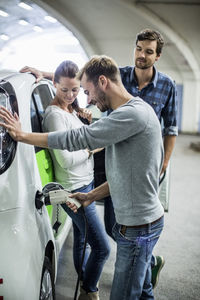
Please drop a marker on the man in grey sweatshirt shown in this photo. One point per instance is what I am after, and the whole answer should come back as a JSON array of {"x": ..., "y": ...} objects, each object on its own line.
[{"x": 132, "y": 137}]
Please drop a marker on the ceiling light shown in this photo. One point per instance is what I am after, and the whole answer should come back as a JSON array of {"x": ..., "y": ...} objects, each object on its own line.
[
  {"x": 25, "y": 6},
  {"x": 50, "y": 19},
  {"x": 23, "y": 22},
  {"x": 4, "y": 37},
  {"x": 3, "y": 13},
  {"x": 37, "y": 28}
]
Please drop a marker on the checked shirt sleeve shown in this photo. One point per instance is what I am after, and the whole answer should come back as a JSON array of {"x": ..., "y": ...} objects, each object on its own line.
[{"x": 169, "y": 112}]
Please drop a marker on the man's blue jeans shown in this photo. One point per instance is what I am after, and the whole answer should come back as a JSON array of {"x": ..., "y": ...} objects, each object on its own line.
[
  {"x": 98, "y": 248},
  {"x": 109, "y": 221},
  {"x": 132, "y": 277}
]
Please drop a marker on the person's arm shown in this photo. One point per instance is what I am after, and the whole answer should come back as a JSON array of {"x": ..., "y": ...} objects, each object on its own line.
[
  {"x": 37, "y": 73},
  {"x": 86, "y": 199},
  {"x": 170, "y": 131},
  {"x": 121, "y": 124},
  {"x": 102, "y": 133},
  {"x": 169, "y": 143},
  {"x": 13, "y": 126}
]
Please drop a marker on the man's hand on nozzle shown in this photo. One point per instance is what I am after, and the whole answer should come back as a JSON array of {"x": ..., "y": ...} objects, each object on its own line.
[
  {"x": 83, "y": 198},
  {"x": 11, "y": 123},
  {"x": 37, "y": 73}
]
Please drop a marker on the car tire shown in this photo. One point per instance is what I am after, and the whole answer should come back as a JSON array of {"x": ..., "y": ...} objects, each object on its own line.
[{"x": 47, "y": 287}]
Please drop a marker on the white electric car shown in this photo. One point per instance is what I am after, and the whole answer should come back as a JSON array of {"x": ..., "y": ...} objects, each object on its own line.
[{"x": 31, "y": 235}]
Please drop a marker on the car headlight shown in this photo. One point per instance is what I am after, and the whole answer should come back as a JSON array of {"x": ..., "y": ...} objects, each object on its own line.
[
  {"x": 7, "y": 144},
  {"x": 4, "y": 101}
]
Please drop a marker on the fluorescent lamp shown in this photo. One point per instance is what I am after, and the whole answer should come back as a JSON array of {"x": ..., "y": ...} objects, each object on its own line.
[
  {"x": 3, "y": 13},
  {"x": 25, "y": 6},
  {"x": 37, "y": 28},
  {"x": 50, "y": 19},
  {"x": 23, "y": 22},
  {"x": 4, "y": 37}
]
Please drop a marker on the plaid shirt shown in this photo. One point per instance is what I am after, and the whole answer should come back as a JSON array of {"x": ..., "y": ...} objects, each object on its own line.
[{"x": 160, "y": 93}]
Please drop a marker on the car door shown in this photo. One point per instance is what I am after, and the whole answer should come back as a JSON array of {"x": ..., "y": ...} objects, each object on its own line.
[{"x": 42, "y": 96}]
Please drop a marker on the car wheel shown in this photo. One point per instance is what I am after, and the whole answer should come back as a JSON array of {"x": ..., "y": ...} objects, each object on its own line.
[{"x": 47, "y": 288}]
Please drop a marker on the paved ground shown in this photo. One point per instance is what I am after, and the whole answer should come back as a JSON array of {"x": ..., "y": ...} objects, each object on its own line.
[{"x": 179, "y": 243}]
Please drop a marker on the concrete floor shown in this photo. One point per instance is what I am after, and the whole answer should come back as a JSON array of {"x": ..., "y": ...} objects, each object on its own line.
[{"x": 179, "y": 243}]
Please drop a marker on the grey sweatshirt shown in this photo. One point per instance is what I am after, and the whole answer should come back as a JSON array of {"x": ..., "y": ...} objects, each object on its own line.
[{"x": 134, "y": 156}]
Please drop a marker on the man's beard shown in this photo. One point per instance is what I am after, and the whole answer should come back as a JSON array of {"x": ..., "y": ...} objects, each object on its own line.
[
  {"x": 101, "y": 96},
  {"x": 143, "y": 66}
]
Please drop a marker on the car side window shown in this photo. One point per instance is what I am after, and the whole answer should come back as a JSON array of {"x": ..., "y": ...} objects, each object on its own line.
[
  {"x": 41, "y": 97},
  {"x": 7, "y": 145}
]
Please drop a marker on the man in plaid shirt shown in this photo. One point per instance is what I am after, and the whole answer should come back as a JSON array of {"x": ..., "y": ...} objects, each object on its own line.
[{"x": 152, "y": 86}]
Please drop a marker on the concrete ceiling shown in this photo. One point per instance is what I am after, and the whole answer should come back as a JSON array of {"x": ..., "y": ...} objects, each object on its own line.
[
  {"x": 110, "y": 27},
  {"x": 9, "y": 25}
]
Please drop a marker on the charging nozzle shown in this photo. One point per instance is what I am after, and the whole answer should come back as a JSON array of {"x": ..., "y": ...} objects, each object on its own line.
[
  {"x": 54, "y": 193},
  {"x": 60, "y": 197}
]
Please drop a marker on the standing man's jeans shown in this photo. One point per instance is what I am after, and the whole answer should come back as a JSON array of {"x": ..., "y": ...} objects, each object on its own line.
[
  {"x": 132, "y": 277},
  {"x": 109, "y": 221},
  {"x": 98, "y": 248}
]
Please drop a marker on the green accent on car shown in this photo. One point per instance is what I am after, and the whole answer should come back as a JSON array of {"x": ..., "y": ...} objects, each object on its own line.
[{"x": 45, "y": 166}]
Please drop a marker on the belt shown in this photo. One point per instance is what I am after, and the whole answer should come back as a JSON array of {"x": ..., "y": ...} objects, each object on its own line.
[{"x": 124, "y": 227}]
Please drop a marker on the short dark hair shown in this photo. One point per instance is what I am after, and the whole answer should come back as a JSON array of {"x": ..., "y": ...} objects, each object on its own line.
[
  {"x": 100, "y": 65},
  {"x": 66, "y": 69},
  {"x": 151, "y": 35}
]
